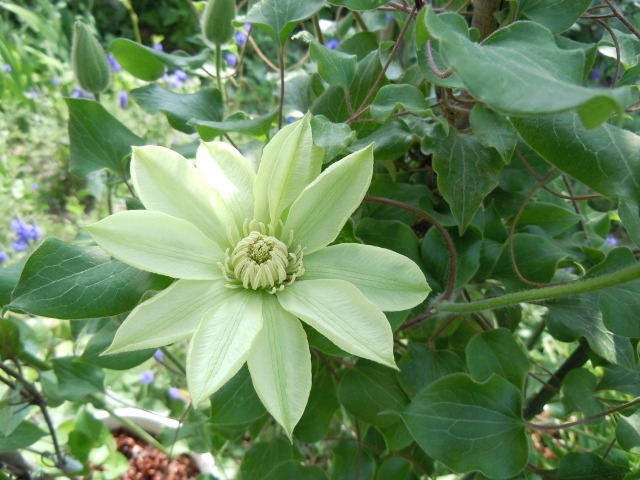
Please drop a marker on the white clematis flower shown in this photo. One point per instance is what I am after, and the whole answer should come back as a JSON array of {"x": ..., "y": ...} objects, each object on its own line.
[{"x": 251, "y": 258}]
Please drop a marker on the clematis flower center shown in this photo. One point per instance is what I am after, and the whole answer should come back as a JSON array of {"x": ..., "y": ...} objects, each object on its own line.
[{"x": 262, "y": 261}]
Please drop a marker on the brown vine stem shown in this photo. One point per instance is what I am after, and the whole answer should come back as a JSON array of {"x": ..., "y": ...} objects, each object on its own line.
[
  {"x": 547, "y": 188},
  {"x": 616, "y": 42},
  {"x": 451, "y": 283},
  {"x": 512, "y": 231},
  {"x": 623, "y": 19},
  {"x": 584, "y": 421},
  {"x": 432, "y": 64},
  {"x": 262, "y": 56},
  {"x": 392, "y": 55}
]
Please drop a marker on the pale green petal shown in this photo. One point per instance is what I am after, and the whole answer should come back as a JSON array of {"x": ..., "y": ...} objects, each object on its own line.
[
  {"x": 390, "y": 280},
  {"x": 321, "y": 210},
  {"x": 231, "y": 175},
  {"x": 341, "y": 313},
  {"x": 290, "y": 161},
  {"x": 167, "y": 182},
  {"x": 159, "y": 243},
  {"x": 222, "y": 343},
  {"x": 170, "y": 316},
  {"x": 280, "y": 365}
]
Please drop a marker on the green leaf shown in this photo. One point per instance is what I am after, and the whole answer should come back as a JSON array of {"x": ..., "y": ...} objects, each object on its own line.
[
  {"x": 391, "y": 98},
  {"x": 467, "y": 425},
  {"x": 627, "y": 209},
  {"x": 360, "y": 4},
  {"x": 588, "y": 466},
  {"x": 66, "y": 281},
  {"x": 397, "y": 468},
  {"x": 368, "y": 390},
  {"x": 467, "y": 173},
  {"x": 333, "y": 138},
  {"x": 497, "y": 352},
  {"x": 181, "y": 108},
  {"x": 557, "y": 16},
  {"x": 578, "y": 393},
  {"x": 10, "y": 345},
  {"x": 235, "y": 406},
  {"x": 138, "y": 60},
  {"x": 98, "y": 140},
  {"x": 512, "y": 72},
  {"x": 435, "y": 254},
  {"x": 604, "y": 158},
  {"x": 493, "y": 130},
  {"x": 620, "y": 306},
  {"x": 390, "y": 234},
  {"x": 621, "y": 379},
  {"x": 629, "y": 47},
  {"x": 263, "y": 457},
  {"x": 348, "y": 463},
  {"x": 76, "y": 380},
  {"x": 337, "y": 68},
  {"x": 9, "y": 276},
  {"x": 293, "y": 469},
  {"x": 579, "y": 316},
  {"x": 421, "y": 366},
  {"x": 322, "y": 404},
  {"x": 536, "y": 257},
  {"x": 101, "y": 340},
  {"x": 280, "y": 17},
  {"x": 25, "y": 435},
  {"x": 390, "y": 141},
  {"x": 628, "y": 433},
  {"x": 551, "y": 218},
  {"x": 238, "y": 122}
]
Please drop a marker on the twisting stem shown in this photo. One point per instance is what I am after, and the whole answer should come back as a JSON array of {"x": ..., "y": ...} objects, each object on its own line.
[
  {"x": 607, "y": 280},
  {"x": 622, "y": 18},
  {"x": 563, "y": 426},
  {"x": 41, "y": 402},
  {"x": 614, "y": 37},
  {"x": 432, "y": 63},
  {"x": 451, "y": 283},
  {"x": 392, "y": 55}
]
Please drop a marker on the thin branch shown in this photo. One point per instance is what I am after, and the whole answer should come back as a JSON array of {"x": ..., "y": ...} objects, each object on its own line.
[
  {"x": 443, "y": 231},
  {"x": 584, "y": 421},
  {"x": 614, "y": 37},
  {"x": 262, "y": 56},
  {"x": 432, "y": 64},
  {"x": 623, "y": 19}
]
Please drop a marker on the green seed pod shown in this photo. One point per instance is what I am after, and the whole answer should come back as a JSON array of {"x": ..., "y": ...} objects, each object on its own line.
[
  {"x": 90, "y": 65},
  {"x": 216, "y": 21}
]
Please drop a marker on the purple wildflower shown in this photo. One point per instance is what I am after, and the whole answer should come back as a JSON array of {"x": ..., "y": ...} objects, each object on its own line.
[
  {"x": 124, "y": 99},
  {"x": 20, "y": 245},
  {"x": 288, "y": 120},
  {"x": 231, "y": 59},
  {"x": 180, "y": 76},
  {"x": 247, "y": 27},
  {"x": 158, "y": 47},
  {"x": 174, "y": 393},
  {"x": 77, "y": 93},
  {"x": 115, "y": 66},
  {"x": 332, "y": 44},
  {"x": 55, "y": 81},
  {"x": 158, "y": 355},
  {"x": 611, "y": 240},
  {"x": 389, "y": 17},
  {"x": 7, "y": 68},
  {"x": 595, "y": 74},
  {"x": 147, "y": 377},
  {"x": 34, "y": 186},
  {"x": 241, "y": 38},
  {"x": 4, "y": 256},
  {"x": 32, "y": 94}
]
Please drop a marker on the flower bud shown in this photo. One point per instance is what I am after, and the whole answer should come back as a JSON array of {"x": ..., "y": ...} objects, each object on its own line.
[
  {"x": 90, "y": 65},
  {"x": 216, "y": 21}
]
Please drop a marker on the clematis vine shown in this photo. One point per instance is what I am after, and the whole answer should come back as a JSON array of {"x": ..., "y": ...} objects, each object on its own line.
[{"x": 251, "y": 257}]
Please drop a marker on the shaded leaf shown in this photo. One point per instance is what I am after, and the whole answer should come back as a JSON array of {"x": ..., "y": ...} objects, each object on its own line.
[
  {"x": 519, "y": 70},
  {"x": 181, "y": 108},
  {"x": 421, "y": 366},
  {"x": 23, "y": 436},
  {"x": 334, "y": 138},
  {"x": 467, "y": 425},
  {"x": 76, "y": 380},
  {"x": 238, "y": 122},
  {"x": 628, "y": 432},
  {"x": 557, "y": 16},
  {"x": 98, "y": 139},
  {"x": 588, "y": 466},
  {"x": 68, "y": 281},
  {"x": 391, "y": 98},
  {"x": 606, "y": 158},
  {"x": 493, "y": 130}
]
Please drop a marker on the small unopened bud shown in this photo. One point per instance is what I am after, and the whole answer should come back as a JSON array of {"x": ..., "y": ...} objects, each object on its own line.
[
  {"x": 216, "y": 21},
  {"x": 90, "y": 64}
]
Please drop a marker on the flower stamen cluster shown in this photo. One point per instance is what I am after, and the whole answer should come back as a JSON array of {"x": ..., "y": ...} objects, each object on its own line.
[{"x": 259, "y": 260}]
